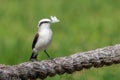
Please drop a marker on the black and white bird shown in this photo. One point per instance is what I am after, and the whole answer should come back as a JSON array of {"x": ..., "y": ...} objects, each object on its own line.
[{"x": 43, "y": 37}]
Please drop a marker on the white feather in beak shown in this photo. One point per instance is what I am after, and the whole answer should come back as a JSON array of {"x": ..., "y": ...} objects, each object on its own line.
[{"x": 54, "y": 19}]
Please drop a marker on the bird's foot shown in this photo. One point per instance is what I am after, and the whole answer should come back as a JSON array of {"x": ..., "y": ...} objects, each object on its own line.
[
  {"x": 33, "y": 60},
  {"x": 50, "y": 58}
]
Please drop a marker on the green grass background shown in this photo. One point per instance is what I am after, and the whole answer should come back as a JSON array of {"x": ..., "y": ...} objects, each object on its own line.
[{"x": 85, "y": 25}]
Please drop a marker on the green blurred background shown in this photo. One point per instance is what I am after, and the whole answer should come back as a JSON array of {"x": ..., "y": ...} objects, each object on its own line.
[{"x": 85, "y": 25}]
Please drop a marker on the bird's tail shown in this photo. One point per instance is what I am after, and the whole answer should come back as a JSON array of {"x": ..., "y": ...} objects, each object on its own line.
[{"x": 33, "y": 56}]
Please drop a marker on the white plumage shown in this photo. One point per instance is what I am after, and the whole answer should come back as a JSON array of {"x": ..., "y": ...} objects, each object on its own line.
[{"x": 43, "y": 37}]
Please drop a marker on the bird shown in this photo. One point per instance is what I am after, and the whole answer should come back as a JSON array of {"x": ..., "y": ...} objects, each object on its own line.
[{"x": 43, "y": 37}]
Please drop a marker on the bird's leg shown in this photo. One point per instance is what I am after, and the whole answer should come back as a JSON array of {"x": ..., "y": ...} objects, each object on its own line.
[
  {"x": 33, "y": 56},
  {"x": 47, "y": 54}
]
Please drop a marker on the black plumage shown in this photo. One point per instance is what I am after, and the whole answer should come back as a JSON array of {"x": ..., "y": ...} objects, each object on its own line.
[{"x": 35, "y": 40}]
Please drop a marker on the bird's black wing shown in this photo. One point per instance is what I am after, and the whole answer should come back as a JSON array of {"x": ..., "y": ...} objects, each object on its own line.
[{"x": 35, "y": 40}]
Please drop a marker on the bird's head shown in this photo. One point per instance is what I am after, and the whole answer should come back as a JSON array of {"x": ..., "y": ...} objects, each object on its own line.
[{"x": 48, "y": 21}]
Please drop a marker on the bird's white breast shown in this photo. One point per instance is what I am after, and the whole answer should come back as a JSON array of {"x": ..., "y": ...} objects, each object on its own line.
[{"x": 44, "y": 39}]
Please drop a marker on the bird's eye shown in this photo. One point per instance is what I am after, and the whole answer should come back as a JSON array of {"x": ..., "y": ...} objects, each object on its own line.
[{"x": 43, "y": 22}]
